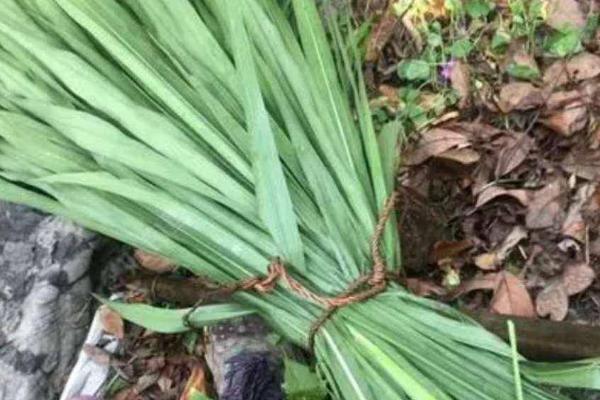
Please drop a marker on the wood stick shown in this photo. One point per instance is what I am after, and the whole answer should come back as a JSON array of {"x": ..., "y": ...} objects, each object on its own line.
[
  {"x": 537, "y": 339},
  {"x": 544, "y": 340}
]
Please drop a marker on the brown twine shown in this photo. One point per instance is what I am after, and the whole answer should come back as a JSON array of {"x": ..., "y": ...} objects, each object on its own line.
[{"x": 360, "y": 290}]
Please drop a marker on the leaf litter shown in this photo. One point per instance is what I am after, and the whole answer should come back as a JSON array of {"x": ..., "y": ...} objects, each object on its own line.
[{"x": 511, "y": 163}]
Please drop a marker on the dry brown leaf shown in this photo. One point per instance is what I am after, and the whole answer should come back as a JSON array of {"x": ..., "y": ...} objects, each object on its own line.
[
  {"x": 112, "y": 323},
  {"x": 391, "y": 94},
  {"x": 424, "y": 288},
  {"x": 564, "y": 14},
  {"x": 513, "y": 154},
  {"x": 583, "y": 163},
  {"x": 465, "y": 156},
  {"x": 433, "y": 142},
  {"x": 568, "y": 121},
  {"x": 511, "y": 297},
  {"x": 164, "y": 382},
  {"x": 595, "y": 139},
  {"x": 460, "y": 78},
  {"x": 519, "y": 96},
  {"x": 153, "y": 262},
  {"x": 444, "y": 250},
  {"x": 517, "y": 234},
  {"x": 581, "y": 67},
  {"x": 546, "y": 208},
  {"x": 574, "y": 225},
  {"x": 553, "y": 301},
  {"x": 577, "y": 278},
  {"x": 478, "y": 282},
  {"x": 145, "y": 381},
  {"x": 380, "y": 35},
  {"x": 521, "y": 195},
  {"x": 475, "y": 130},
  {"x": 436, "y": 8},
  {"x": 563, "y": 98},
  {"x": 196, "y": 382}
]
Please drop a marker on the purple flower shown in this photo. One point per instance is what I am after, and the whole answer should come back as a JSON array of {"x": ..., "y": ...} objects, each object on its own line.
[{"x": 446, "y": 71}]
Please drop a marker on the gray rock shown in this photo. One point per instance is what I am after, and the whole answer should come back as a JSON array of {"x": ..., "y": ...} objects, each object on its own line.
[{"x": 45, "y": 303}]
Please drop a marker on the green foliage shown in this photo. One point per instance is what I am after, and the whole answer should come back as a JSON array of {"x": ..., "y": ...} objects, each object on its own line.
[
  {"x": 300, "y": 383},
  {"x": 522, "y": 71},
  {"x": 220, "y": 134},
  {"x": 479, "y": 8},
  {"x": 526, "y": 17},
  {"x": 461, "y": 48},
  {"x": 414, "y": 70},
  {"x": 563, "y": 43},
  {"x": 172, "y": 321},
  {"x": 196, "y": 395},
  {"x": 500, "y": 40},
  {"x": 515, "y": 357}
]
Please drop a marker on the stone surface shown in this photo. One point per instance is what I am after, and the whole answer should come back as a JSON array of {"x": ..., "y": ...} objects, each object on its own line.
[{"x": 45, "y": 302}]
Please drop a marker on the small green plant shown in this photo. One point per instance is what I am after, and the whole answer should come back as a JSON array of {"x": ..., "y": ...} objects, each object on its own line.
[
  {"x": 527, "y": 16},
  {"x": 564, "y": 42},
  {"x": 479, "y": 8},
  {"x": 415, "y": 70}
]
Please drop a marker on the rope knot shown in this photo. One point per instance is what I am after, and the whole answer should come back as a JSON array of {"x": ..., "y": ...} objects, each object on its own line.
[
  {"x": 363, "y": 288},
  {"x": 276, "y": 271}
]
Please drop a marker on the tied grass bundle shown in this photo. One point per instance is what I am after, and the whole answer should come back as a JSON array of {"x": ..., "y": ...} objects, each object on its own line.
[{"x": 221, "y": 133}]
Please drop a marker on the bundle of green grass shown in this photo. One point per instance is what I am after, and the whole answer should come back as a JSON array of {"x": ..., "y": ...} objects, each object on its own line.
[{"x": 220, "y": 134}]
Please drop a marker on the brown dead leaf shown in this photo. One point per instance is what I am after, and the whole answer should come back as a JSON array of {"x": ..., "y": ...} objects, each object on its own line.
[
  {"x": 433, "y": 142},
  {"x": 146, "y": 380},
  {"x": 581, "y": 67},
  {"x": 475, "y": 130},
  {"x": 196, "y": 382},
  {"x": 478, "y": 282},
  {"x": 546, "y": 209},
  {"x": 558, "y": 100},
  {"x": 553, "y": 301},
  {"x": 583, "y": 163},
  {"x": 568, "y": 121},
  {"x": 511, "y": 297},
  {"x": 591, "y": 211},
  {"x": 112, "y": 323},
  {"x": 436, "y": 8},
  {"x": 513, "y": 154},
  {"x": 574, "y": 225},
  {"x": 444, "y": 250},
  {"x": 564, "y": 14},
  {"x": 391, "y": 94},
  {"x": 164, "y": 383},
  {"x": 577, "y": 278},
  {"x": 521, "y": 195},
  {"x": 517, "y": 234},
  {"x": 465, "y": 156},
  {"x": 153, "y": 262},
  {"x": 424, "y": 288},
  {"x": 519, "y": 96},
  {"x": 380, "y": 35},
  {"x": 460, "y": 78}
]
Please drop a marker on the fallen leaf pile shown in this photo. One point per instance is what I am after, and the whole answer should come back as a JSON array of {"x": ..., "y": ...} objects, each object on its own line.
[
  {"x": 151, "y": 366},
  {"x": 516, "y": 181}
]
